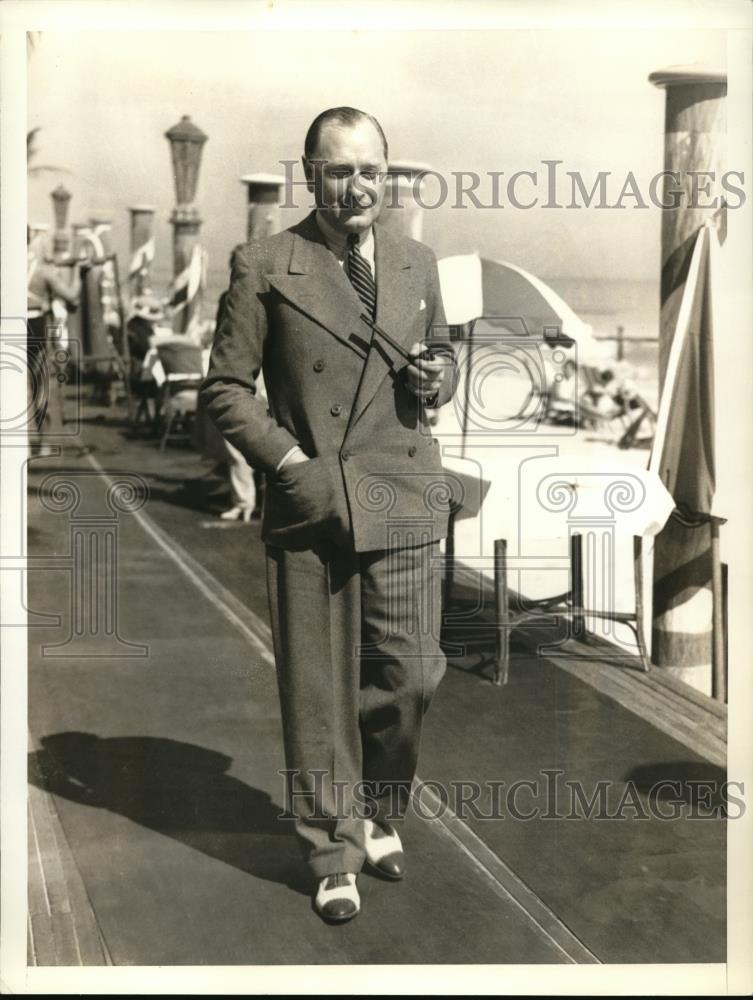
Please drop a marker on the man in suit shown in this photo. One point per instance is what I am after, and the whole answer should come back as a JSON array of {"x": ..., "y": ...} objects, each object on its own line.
[{"x": 356, "y": 498}]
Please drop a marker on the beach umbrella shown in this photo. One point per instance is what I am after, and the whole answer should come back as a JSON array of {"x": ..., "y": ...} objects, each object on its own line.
[
  {"x": 474, "y": 287},
  {"x": 515, "y": 331}
]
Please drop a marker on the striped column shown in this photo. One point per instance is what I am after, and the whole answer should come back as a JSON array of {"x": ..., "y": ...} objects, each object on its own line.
[
  {"x": 189, "y": 260},
  {"x": 694, "y": 152}
]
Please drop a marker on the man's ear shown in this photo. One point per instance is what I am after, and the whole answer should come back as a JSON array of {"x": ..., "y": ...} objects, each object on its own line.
[{"x": 308, "y": 170}]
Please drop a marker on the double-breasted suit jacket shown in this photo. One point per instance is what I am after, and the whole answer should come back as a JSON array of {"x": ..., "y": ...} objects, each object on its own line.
[{"x": 374, "y": 479}]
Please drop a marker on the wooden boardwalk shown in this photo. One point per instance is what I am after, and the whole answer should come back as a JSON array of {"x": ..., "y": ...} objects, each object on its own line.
[{"x": 155, "y": 836}]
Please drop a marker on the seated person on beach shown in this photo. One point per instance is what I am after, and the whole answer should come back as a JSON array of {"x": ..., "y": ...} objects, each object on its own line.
[
  {"x": 604, "y": 391},
  {"x": 563, "y": 393}
]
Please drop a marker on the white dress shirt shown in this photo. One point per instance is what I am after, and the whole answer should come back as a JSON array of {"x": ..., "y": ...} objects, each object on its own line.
[{"x": 337, "y": 242}]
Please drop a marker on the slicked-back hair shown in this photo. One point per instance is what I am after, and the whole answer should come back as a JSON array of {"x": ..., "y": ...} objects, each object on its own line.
[{"x": 338, "y": 116}]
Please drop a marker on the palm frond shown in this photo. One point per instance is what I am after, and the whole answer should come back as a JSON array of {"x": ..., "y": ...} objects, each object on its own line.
[
  {"x": 31, "y": 150},
  {"x": 47, "y": 169}
]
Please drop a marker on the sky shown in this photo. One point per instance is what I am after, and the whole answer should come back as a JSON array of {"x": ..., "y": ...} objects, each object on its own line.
[{"x": 460, "y": 100}]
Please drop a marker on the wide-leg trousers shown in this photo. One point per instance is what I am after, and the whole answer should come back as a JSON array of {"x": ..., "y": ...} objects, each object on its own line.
[{"x": 356, "y": 640}]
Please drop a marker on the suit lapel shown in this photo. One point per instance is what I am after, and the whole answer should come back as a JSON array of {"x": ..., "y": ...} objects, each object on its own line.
[
  {"x": 317, "y": 285},
  {"x": 393, "y": 305}
]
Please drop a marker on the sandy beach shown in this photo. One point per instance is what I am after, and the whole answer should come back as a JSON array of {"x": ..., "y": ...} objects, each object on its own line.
[{"x": 518, "y": 459}]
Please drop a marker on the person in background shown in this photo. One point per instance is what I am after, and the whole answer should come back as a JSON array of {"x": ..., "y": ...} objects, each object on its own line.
[
  {"x": 246, "y": 484},
  {"x": 45, "y": 329},
  {"x": 146, "y": 313},
  {"x": 563, "y": 394}
]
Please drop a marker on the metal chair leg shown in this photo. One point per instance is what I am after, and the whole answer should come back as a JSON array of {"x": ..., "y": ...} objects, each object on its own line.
[
  {"x": 449, "y": 562},
  {"x": 639, "y": 633},
  {"x": 718, "y": 657},
  {"x": 501, "y": 608},
  {"x": 576, "y": 584},
  {"x": 168, "y": 427}
]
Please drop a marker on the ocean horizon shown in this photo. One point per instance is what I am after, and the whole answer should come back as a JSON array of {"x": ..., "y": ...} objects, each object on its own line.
[{"x": 605, "y": 304}]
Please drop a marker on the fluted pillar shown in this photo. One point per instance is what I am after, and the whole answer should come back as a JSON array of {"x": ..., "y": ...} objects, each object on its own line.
[{"x": 92, "y": 561}]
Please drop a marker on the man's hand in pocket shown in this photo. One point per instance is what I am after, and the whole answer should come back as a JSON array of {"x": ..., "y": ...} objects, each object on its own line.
[{"x": 295, "y": 456}]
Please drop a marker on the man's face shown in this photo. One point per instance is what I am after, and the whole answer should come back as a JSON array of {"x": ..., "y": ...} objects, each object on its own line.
[{"x": 349, "y": 182}]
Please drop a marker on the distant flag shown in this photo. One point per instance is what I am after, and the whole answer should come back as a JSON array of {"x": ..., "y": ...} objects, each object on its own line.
[{"x": 93, "y": 238}]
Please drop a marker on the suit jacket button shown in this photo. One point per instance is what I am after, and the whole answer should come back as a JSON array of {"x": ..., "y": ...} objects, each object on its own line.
[
  {"x": 412, "y": 450},
  {"x": 345, "y": 456},
  {"x": 319, "y": 365},
  {"x": 335, "y": 409}
]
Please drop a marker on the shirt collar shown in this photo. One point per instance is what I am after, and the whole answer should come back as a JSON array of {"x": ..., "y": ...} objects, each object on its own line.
[{"x": 337, "y": 242}]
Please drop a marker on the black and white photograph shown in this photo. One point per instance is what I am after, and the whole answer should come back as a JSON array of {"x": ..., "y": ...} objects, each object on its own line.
[{"x": 377, "y": 467}]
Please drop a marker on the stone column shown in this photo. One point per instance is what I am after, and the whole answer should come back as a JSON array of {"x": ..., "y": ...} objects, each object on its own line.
[
  {"x": 142, "y": 249},
  {"x": 61, "y": 201},
  {"x": 694, "y": 151},
  {"x": 401, "y": 209},
  {"x": 694, "y": 129},
  {"x": 186, "y": 144},
  {"x": 263, "y": 192}
]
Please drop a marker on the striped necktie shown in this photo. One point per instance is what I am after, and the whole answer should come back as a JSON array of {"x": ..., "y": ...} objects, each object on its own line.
[{"x": 360, "y": 275}]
